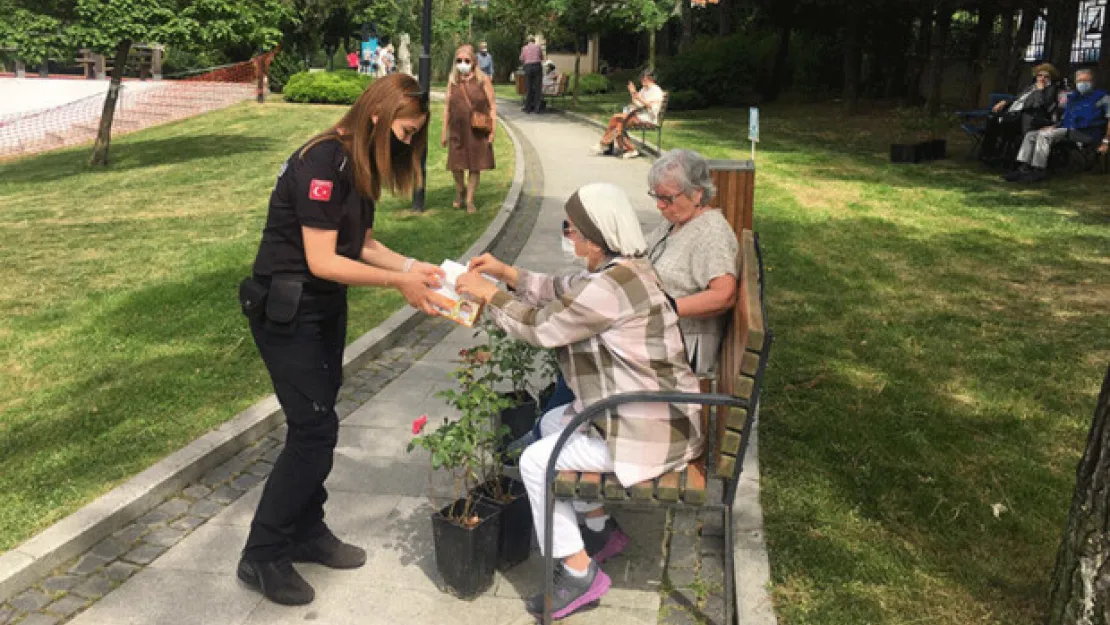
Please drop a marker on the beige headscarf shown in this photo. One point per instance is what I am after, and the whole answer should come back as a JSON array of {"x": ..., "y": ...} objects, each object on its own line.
[{"x": 602, "y": 213}]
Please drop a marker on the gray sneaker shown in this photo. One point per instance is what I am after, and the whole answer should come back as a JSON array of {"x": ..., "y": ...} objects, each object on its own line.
[{"x": 572, "y": 593}]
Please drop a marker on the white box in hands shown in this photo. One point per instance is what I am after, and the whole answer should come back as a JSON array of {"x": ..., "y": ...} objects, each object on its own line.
[{"x": 449, "y": 303}]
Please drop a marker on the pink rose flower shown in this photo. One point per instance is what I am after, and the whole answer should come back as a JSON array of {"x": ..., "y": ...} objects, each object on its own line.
[{"x": 418, "y": 424}]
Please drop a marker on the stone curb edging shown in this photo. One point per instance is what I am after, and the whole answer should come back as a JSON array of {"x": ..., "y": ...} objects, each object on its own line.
[{"x": 21, "y": 566}]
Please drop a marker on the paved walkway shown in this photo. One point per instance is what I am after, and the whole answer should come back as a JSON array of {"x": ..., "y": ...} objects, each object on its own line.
[{"x": 177, "y": 563}]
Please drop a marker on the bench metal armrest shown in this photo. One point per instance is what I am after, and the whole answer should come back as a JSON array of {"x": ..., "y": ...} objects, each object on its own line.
[{"x": 590, "y": 414}]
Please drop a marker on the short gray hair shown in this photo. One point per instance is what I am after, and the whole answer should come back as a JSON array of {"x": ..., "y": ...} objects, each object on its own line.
[
  {"x": 685, "y": 168},
  {"x": 1090, "y": 73}
]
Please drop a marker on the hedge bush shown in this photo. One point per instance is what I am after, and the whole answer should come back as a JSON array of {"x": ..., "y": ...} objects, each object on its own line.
[
  {"x": 589, "y": 84},
  {"x": 686, "y": 100},
  {"x": 283, "y": 67},
  {"x": 724, "y": 71},
  {"x": 340, "y": 87}
]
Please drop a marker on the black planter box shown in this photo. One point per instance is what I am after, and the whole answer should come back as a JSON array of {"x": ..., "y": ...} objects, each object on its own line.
[
  {"x": 467, "y": 557},
  {"x": 905, "y": 153},
  {"x": 521, "y": 417},
  {"x": 515, "y": 541},
  {"x": 935, "y": 149}
]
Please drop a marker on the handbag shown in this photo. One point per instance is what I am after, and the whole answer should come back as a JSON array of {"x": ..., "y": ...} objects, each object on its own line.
[{"x": 482, "y": 122}]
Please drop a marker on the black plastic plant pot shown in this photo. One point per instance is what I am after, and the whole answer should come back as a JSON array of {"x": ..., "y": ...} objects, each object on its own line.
[
  {"x": 521, "y": 417},
  {"x": 905, "y": 153},
  {"x": 466, "y": 557},
  {"x": 515, "y": 541},
  {"x": 937, "y": 149}
]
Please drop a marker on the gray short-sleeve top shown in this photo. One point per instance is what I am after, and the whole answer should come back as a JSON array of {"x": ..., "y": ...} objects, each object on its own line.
[{"x": 686, "y": 260}]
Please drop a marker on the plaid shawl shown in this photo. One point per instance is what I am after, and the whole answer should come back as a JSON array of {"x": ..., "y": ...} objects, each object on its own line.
[{"x": 615, "y": 333}]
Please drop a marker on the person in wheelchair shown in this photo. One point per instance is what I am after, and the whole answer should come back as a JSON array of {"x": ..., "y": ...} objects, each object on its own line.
[
  {"x": 1009, "y": 120},
  {"x": 1084, "y": 120}
]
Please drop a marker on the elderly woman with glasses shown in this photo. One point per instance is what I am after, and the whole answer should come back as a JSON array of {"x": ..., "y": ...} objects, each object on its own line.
[
  {"x": 1033, "y": 108},
  {"x": 614, "y": 331},
  {"x": 693, "y": 251}
]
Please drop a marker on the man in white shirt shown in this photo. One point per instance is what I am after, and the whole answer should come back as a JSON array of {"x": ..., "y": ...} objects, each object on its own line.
[{"x": 644, "y": 111}]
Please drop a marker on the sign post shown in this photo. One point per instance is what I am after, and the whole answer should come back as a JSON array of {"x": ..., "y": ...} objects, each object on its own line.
[{"x": 753, "y": 128}]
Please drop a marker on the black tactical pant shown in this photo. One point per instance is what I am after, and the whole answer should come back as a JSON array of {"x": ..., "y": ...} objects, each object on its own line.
[{"x": 306, "y": 366}]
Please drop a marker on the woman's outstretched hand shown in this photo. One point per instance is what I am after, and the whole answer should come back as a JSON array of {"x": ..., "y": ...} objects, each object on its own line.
[
  {"x": 416, "y": 287},
  {"x": 473, "y": 285}
]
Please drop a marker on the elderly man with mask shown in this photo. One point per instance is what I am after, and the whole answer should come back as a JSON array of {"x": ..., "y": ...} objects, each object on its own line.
[
  {"x": 1084, "y": 120},
  {"x": 485, "y": 59}
]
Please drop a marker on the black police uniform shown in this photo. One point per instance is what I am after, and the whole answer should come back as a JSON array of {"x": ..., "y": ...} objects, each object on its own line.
[{"x": 299, "y": 323}]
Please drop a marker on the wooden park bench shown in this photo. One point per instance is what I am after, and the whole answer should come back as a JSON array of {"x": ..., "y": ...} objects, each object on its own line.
[
  {"x": 631, "y": 122},
  {"x": 560, "y": 91},
  {"x": 710, "y": 482}
]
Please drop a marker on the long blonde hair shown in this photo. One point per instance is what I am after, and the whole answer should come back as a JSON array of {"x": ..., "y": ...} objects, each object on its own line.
[
  {"x": 466, "y": 50},
  {"x": 376, "y": 155}
]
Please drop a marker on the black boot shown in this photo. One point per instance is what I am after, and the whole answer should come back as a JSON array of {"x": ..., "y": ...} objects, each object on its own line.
[
  {"x": 1017, "y": 174},
  {"x": 328, "y": 550},
  {"x": 277, "y": 580}
]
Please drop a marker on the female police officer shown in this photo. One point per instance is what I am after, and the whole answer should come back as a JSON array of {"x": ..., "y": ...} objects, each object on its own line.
[{"x": 317, "y": 240}]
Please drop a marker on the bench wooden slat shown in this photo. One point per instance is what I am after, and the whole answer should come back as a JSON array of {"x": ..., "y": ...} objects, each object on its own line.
[
  {"x": 566, "y": 483},
  {"x": 613, "y": 489},
  {"x": 750, "y": 292},
  {"x": 694, "y": 489},
  {"x": 669, "y": 486},
  {"x": 589, "y": 486}
]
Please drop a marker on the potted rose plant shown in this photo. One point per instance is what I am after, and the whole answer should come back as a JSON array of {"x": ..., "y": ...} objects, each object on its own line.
[{"x": 466, "y": 531}]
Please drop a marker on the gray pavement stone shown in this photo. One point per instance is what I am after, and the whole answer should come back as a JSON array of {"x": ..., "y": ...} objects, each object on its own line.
[
  {"x": 67, "y": 606},
  {"x": 144, "y": 554},
  {"x": 261, "y": 469},
  {"x": 164, "y": 537},
  {"x": 683, "y": 551},
  {"x": 205, "y": 508},
  {"x": 6, "y": 614},
  {"x": 154, "y": 517},
  {"x": 40, "y": 619},
  {"x": 712, "y": 544},
  {"x": 673, "y": 613},
  {"x": 95, "y": 587},
  {"x": 271, "y": 456},
  {"x": 109, "y": 549},
  {"x": 245, "y": 482},
  {"x": 196, "y": 491},
  {"x": 714, "y": 609},
  {"x": 712, "y": 569},
  {"x": 59, "y": 583},
  {"x": 187, "y": 523},
  {"x": 29, "y": 600},
  {"x": 87, "y": 564},
  {"x": 685, "y": 522},
  {"x": 219, "y": 475},
  {"x": 174, "y": 507},
  {"x": 129, "y": 534},
  {"x": 679, "y": 576},
  {"x": 119, "y": 571},
  {"x": 225, "y": 494}
]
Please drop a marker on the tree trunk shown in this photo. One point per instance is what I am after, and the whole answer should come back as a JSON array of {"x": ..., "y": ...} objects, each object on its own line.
[
  {"x": 687, "y": 16},
  {"x": 577, "y": 65},
  {"x": 1005, "y": 51},
  {"x": 651, "y": 50},
  {"x": 920, "y": 54},
  {"x": 1021, "y": 44},
  {"x": 725, "y": 8},
  {"x": 853, "y": 59},
  {"x": 1063, "y": 20},
  {"x": 936, "y": 59},
  {"x": 1080, "y": 591},
  {"x": 778, "y": 69},
  {"x": 104, "y": 133},
  {"x": 980, "y": 45}
]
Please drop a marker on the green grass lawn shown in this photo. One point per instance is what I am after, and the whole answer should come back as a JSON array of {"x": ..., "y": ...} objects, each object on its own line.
[
  {"x": 120, "y": 336},
  {"x": 941, "y": 339}
]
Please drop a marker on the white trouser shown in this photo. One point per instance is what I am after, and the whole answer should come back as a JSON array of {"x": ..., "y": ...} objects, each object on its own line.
[
  {"x": 1038, "y": 144},
  {"x": 581, "y": 453}
]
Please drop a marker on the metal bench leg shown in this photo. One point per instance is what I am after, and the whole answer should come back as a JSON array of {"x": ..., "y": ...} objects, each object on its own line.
[
  {"x": 730, "y": 570},
  {"x": 548, "y": 545}
]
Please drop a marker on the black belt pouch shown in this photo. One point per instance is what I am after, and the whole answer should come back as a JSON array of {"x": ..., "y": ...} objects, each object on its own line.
[
  {"x": 282, "y": 305},
  {"x": 252, "y": 298}
]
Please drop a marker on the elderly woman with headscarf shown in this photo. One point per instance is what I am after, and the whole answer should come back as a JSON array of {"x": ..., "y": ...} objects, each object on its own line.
[{"x": 615, "y": 332}]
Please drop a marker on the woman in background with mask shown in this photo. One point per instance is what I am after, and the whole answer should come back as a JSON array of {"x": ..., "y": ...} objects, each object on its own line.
[
  {"x": 614, "y": 331},
  {"x": 471, "y": 149}
]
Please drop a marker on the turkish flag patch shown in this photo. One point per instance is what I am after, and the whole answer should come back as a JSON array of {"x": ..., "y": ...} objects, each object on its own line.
[{"x": 320, "y": 190}]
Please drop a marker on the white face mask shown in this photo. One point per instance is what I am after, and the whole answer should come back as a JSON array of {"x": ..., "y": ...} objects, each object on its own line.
[
  {"x": 1083, "y": 86},
  {"x": 568, "y": 250},
  {"x": 464, "y": 68}
]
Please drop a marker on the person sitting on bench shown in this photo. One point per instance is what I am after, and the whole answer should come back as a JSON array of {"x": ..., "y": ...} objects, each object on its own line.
[
  {"x": 1032, "y": 109},
  {"x": 551, "y": 78},
  {"x": 615, "y": 332},
  {"x": 645, "y": 107},
  {"x": 1087, "y": 109}
]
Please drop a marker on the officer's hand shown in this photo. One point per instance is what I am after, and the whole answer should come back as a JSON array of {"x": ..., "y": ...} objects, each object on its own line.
[
  {"x": 416, "y": 288},
  {"x": 488, "y": 264}
]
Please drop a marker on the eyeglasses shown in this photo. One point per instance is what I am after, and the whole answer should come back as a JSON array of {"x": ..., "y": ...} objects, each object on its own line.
[
  {"x": 460, "y": 60},
  {"x": 568, "y": 230},
  {"x": 1043, "y": 76},
  {"x": 667, "y": 200}
]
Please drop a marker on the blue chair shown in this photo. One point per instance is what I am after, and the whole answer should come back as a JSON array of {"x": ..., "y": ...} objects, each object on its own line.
[{"x": 974, "y": 122}]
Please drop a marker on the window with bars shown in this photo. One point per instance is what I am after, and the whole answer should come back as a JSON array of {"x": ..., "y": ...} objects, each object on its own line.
[{"x": 1088, "y": 35}]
